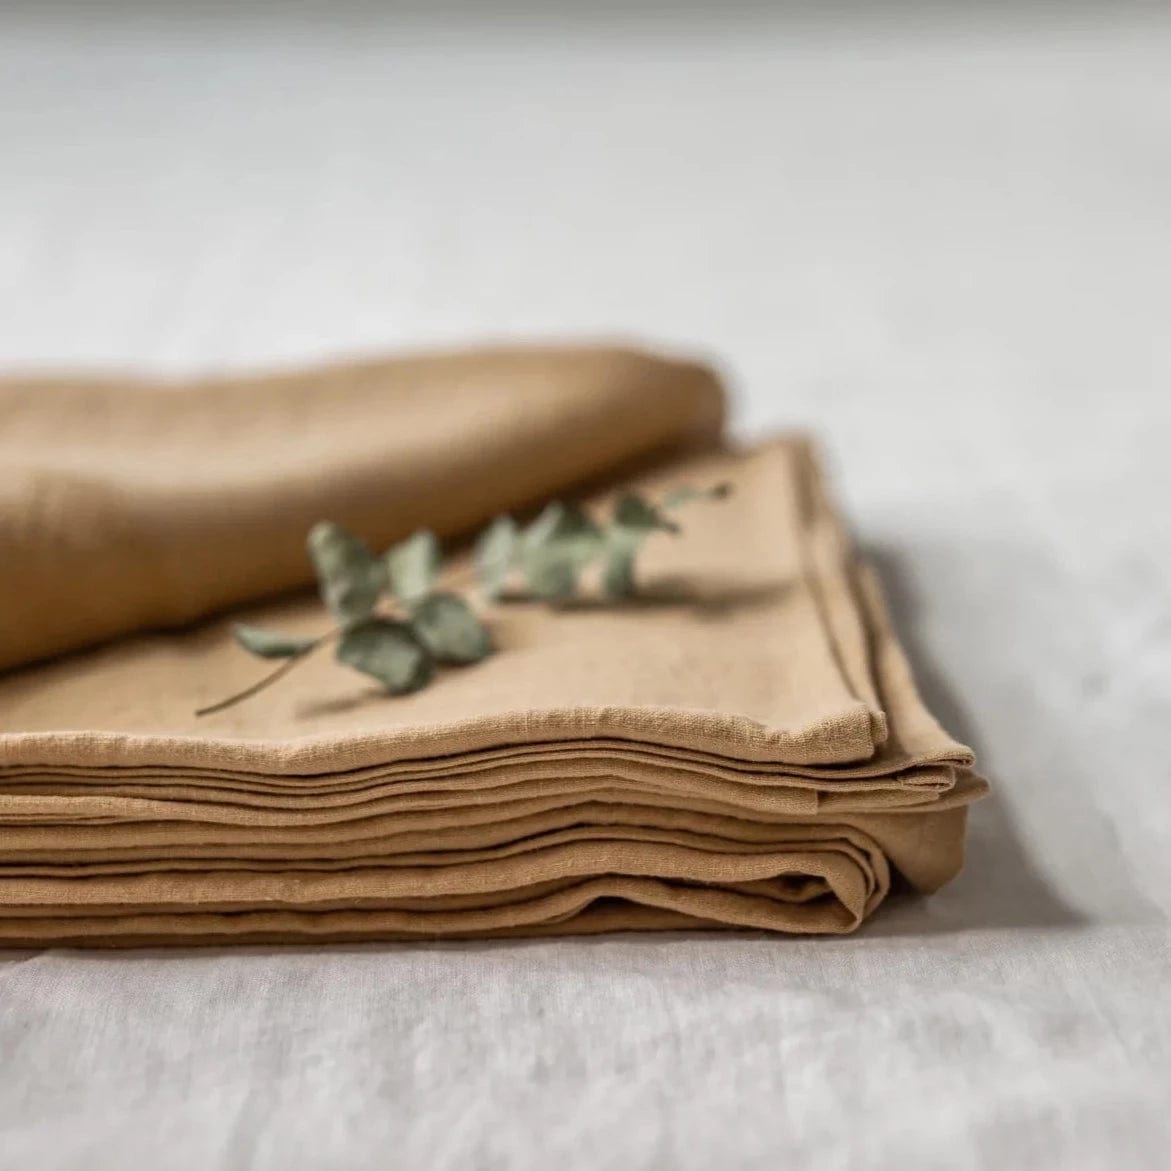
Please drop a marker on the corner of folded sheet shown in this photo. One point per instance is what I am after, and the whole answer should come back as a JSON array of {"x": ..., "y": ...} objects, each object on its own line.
[{"x": 968, "y": 788}]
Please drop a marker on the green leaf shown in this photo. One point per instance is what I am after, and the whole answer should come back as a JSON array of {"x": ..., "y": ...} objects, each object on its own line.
[
  {"x": 565, "y": 529},
  {"x": 413, "y": 565},
  {"x": 635, "y": 513},
  {"x": 349, "y": 577},
  {"x": 495, "y": 555},
  {"x": 633, "y": 521},
  {"x": 390, "y": 652},
  {"x": 449, "y": 629},
  {"x": 618, "y": 572},
  {"x": 549, "y": 578},
  {"x": 686, "y": 494},
  {"x": 556, "y": 547},
  {"x": 268, "y": 644}
]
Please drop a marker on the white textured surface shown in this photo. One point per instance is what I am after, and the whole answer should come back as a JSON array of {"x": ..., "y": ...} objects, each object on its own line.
[{"x": 946, "y": 244}]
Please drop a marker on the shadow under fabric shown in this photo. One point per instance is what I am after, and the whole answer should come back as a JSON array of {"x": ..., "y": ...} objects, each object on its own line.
[{"x": 740, "y": 746}]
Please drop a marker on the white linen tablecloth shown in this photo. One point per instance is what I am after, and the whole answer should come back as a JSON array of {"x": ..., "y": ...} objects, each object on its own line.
[{"x": 939, "y": 236}]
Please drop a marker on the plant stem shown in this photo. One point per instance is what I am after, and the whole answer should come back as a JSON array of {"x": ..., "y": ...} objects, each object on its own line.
[{"x": 268, "y": 679}]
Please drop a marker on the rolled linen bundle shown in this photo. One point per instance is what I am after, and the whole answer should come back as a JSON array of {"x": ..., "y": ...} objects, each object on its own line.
[
  {"x": 128, "y": 505},
  {"x": 741, "y": 745}
]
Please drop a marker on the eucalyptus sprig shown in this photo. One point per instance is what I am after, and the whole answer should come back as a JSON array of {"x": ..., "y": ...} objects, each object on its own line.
[
  {"x": 392, "y": 622},
  {"x": 551, "y": 553}
]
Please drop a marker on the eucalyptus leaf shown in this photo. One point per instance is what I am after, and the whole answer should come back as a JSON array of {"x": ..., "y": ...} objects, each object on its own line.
[
  {"x": 634, "y": 512},
  {"x": 633, "y": 521},
  {"x": 686, "y": 494},
  {"x": 550, "y": 578},
  {"x": 349, "y": 577},
  {"x": 495, "y": 555},
  {"x": 268, "y": 644},
  {"x": 450, "y": 630},
  {"x": 566, "y": 530},
  {"x": 413, "y": 565},
  {"x": 389, "y": 651},
  {"x": 556, "y": 547},
  {"x": 618, "y": 572}
]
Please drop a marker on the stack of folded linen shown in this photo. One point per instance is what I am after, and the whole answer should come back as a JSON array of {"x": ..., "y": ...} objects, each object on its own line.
[{"x": 739, "y": 745}]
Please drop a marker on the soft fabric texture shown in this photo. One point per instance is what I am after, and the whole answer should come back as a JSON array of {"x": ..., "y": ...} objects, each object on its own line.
[{"x": 742, "y": 745}]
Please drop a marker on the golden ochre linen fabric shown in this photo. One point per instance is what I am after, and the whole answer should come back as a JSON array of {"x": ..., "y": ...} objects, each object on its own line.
[{"x": 740, "y": 746}]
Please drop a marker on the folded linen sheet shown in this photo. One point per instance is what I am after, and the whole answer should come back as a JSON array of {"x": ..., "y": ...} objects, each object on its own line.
[{"x": 741, "y": 745}]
